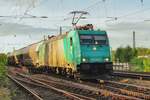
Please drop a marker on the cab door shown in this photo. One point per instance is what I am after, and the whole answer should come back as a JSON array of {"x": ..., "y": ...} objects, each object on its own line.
[{"x": 70, "y": 49}]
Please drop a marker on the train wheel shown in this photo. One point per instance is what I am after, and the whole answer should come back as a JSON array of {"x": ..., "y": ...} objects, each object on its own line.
[
  {"x": 67, "y": 72},
  {"x": 75, "y": 77},
  {"x": 36, "y": 70},
  {"x": 45, "y": 70},
  {"x": 29, "y": 69},
  {"x": 40, "y": 70},
  {"x": 62, "y": 71},
  {"x": 57, "y": 71},
  {"x": 49, "y": 70},
  {"x": 33, "y": 70}
]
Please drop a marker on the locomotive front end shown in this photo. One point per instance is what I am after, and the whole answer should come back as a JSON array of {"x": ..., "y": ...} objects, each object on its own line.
[{"x": 95, "y": 53}]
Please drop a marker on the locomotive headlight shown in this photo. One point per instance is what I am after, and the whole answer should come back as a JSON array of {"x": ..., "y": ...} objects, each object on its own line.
[
  {"x": 84, "y": 60},
  {"x": 94, "y": 48},
  {"x": 107, "y": 59}
]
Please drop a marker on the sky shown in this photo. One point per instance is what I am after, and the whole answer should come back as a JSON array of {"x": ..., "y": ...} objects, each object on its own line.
[{"x": 118, "y": 17}]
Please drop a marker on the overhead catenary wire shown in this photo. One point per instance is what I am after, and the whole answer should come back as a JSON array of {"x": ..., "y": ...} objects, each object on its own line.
[
  {"x": 128, "y": 14},
  {"x": 117, "y": 17},
  {"x": 94, "y": 4}
]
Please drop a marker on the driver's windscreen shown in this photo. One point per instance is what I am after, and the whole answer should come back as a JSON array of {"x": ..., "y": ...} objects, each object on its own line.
[{"x": 93, "y": 39}]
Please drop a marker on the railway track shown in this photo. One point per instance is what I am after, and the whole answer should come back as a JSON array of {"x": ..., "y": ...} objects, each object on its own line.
[
  {"x": 110, "y": 89},
  {"x": 132, "y": 75},
  {"x": 34, "y": 87},
  {"x": 27, "y": 89},
  {"x": 128, "y": 89},
  {"x": 81, "y": 92},
  {"x": 67, "y": 89}
]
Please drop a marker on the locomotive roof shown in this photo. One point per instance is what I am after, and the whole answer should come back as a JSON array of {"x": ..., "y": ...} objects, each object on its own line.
[
  {"x": 78, "y": 31},
  {"x": 91, "y": 32}
]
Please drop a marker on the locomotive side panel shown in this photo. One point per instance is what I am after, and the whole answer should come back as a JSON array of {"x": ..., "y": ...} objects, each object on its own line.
[{"x": 72, "y": 50}]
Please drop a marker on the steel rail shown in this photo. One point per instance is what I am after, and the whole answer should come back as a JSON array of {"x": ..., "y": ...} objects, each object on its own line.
[
  {"x": 66, "y": 93},
  {"x": 136, "y": 93},
  {"x": 26, "y": 88},
  {"x": 131, "y": 75},
  {"x": 128, "y": 85},
  {"x": 87, "y": 98},
  {"x": 129, "y": 93},
  {"x": 58, "y": 83},
  {"x": 90, "y": 88}
]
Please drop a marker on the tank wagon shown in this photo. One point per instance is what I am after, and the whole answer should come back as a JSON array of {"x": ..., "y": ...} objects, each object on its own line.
[{"x": 82, "y": 52}]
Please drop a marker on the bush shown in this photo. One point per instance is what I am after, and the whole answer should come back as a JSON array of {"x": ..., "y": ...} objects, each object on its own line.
[
  {"x": 3, "y": 59},
  {"x": 146, "y": 63},
  {"x": 5, "y": 93},
  {"x": 125, "y": 54},
  {"x": 3, "y": 70},
  {"x": 140, "y": 64}
]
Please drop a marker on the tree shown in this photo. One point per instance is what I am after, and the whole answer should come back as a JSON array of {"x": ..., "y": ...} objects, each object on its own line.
[
  {"x": 119, "y": 54},
  {"x": 128, "y": 54},
  {"x": 125, "y": 54}
]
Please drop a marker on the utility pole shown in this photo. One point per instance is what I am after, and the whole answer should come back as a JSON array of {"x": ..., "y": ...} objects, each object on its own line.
[
  {"x": 134, "y": 42},
  {"x": 60, "y": 30}
]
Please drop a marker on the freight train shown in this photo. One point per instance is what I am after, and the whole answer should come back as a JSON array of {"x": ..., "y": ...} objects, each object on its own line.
[{"x": 82, "y": 52}]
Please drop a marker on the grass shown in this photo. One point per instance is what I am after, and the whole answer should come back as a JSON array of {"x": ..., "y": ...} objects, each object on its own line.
[{"x": 5, "y": 94}]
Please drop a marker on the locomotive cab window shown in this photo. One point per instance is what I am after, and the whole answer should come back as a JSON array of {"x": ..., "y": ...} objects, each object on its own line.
[{"x": 93, "y": 39}]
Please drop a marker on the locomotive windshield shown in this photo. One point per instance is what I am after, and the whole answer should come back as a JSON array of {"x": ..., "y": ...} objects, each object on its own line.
[{"x": 93, "y": 39}]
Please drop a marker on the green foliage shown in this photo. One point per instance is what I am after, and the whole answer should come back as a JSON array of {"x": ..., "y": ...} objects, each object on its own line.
[
  {"x": 3, "y": 59},
  {"x": 130, "y": 55},
  {"x": 146, "y": 63},
  {"x": 125, "y": 54},
  {"x": 113, "y": 55},
  {"x": 137, "y": 64},
  {"x": 143, "y": 51},
  {"x": 2, "y": 74},
  {"x": 4, "y": 92},
  {"x": 118, "y": 54},
  {"x": 3, "y": 70},
  {"x": 140, "y": 64}
]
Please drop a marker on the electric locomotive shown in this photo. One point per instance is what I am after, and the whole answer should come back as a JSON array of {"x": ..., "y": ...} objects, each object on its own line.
[{"x": 90, "y": 50}]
